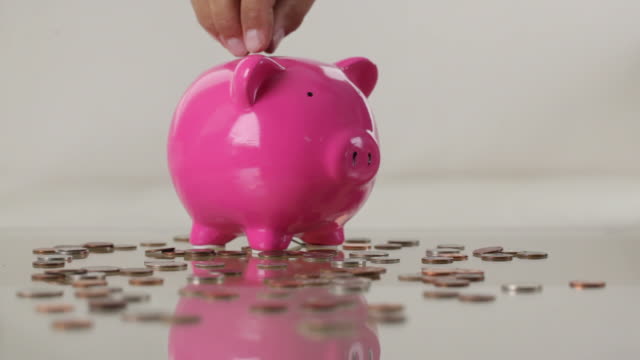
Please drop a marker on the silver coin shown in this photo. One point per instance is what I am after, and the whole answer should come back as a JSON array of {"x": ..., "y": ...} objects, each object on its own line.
[
  {"x": 522, "y": 288},
  {"x": 72, "y": 250},
  {"x": 348, "y": 263},
  {"x": 450, "y": 246},
  {"x": 214, "y": 277},
  {"x": 367, "y": 254},
  {"x": 440, "y": 251},
  {"x": 60, "y": 257},
  {"x": 94, "y": 275},
  {"x": 384, "y": 260}
]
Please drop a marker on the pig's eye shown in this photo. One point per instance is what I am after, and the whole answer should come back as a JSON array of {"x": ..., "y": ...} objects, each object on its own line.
[{"x": 309, "y": 94}]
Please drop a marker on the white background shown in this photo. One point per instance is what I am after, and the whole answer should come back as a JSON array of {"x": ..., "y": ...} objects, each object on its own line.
[{"x": 492, "y": 113}]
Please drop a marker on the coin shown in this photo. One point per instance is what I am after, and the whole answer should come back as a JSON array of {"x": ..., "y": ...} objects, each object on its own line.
[
  {"x": 109, "y": 270},
  {"x": 275, "y": 254},
  {"x": 181, "y": 238},
  {"x": 439, "y": 252},
  {"x": 438, "y": 271},
  {"x": 468, "y": 271},
  {"x": 436, "y": 260},
  {"x": 136, "y": 271},
  {"x": 106, "y": 305},
  {"x": 405, "y": 243},
  {"x": 496, "y": 257},
  {"x": 477, "y": 298},
  {"x": 72, "y": 250},
  {"x": 510, "y": 252},
  {"x": 209, "y": 265},
  {"x": 487, "y": 250},
  {"x": 584, "y": 284},
  {"x": 92, "y": 293},
  {"x": 358, "y": 241},
  {"x": 67, "y": 271},
  {"x": 410, "y": 277},
  {"x": 54, "y": 308},
  {"x": 41, "y": 264},
  {"x": 99, "y": 246},
  {"x": 385, "y": 308},
  {"x": 167, "y": 266},
  {"x": 145, "y": 316},
  {"x": 269, "y": 308},
  {"x": 125, "y": 247},
  {"x": 153, "y": 243},
  {"x": 440, "y": 294},
  {"x": 347, "y": 263},
  {"x": 44, "y": 251},
  {"x": 88, "y": 276},
  {"x": 39, "y": 293},
  {"x": 294, "y": 253},
  {"x": 88, "y": 283},
  {"x": 231, "y": 253},
  {"x": 384, "y": 318},
  {"x": 212, "y": 278},
  {"x": 182, "y": 319},
  {"x": 451, "y": 282},
  {"x": 451, "y": 246},
  {"x": 367, "y": 270},
  {"x": 220, "y": 295},
  {"x": 321, "y": 304},
  {"x": 388, "y": 246},
  {"x": 229, "y": 272},
  {"x": 384, "y": 260},
  {"x": 134, "y": 297},
  {"x": 367, "y": 254},
  {"x": 535, "y": 255},
  {"x": 46, "y": 277},
  {"x": 470, "y": 276},
  {"x": 198, "y": 253},
  {"x": 284, "y": 283},
  {"x": 272, "y": 266},
  {"x": 71, "y": 324},
  {"x": 66, "y": 258},
  {"x": 146, "y": 281},
  {"x": 356, "y": 247},
  {"x": 522, "y": 288},
  {"x": 429, "y": 279},
  {"x": 456, "y": 257}
]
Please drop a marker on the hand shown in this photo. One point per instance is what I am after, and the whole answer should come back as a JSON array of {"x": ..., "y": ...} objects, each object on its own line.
[{"x": 250, "y": 26}]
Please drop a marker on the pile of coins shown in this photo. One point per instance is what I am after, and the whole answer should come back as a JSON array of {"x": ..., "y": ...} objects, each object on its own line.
[{"x": 342, "y": 275}]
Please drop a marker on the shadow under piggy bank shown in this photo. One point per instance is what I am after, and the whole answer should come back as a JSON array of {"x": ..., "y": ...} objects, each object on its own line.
[{"x": 295, "y": 312}]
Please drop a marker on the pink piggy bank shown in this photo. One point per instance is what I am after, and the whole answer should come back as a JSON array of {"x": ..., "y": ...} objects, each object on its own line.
[{"x": 275, "y": 147}]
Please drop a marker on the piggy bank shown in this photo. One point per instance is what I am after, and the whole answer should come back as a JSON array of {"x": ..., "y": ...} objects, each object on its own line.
[{"x": 275, "y": 147}]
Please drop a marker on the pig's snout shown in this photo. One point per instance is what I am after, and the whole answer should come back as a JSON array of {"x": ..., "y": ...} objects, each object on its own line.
[{"x": 354, "y": 157}]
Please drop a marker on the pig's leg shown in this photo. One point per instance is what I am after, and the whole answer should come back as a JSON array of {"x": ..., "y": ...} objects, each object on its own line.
[
  {"x": 202, "y": 235},
  {"x": 332, "y": 236},
  {"x": 266, "y": 239}
]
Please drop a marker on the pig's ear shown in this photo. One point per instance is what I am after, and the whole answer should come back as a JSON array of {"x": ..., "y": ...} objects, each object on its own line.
[
  {"x": 362, "y": 73},
  {"x": 250, "y": 74}
]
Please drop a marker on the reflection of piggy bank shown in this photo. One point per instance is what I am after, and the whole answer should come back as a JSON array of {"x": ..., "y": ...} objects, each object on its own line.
[
  {"x": 275, "y": 147},
  {"x": 313, "y": 322}
]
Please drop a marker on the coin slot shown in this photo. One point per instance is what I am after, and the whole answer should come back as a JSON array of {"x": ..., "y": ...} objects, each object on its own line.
[
  {"x": 368, "y": 159},
  {"x": 354, "y": 158}
]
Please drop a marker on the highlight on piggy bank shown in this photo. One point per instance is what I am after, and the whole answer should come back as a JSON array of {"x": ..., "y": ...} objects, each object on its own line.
[{"x": 275, "y": 147}]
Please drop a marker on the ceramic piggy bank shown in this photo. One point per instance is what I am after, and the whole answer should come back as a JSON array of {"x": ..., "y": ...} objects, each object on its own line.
[{"x": 275, "y": 147}]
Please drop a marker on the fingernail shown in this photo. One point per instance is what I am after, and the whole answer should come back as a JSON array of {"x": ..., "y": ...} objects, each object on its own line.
[
  {"x": 236, "y": 46},
  {"x": 254, "y": 39},
  {"x": 277, "y": 37}
]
